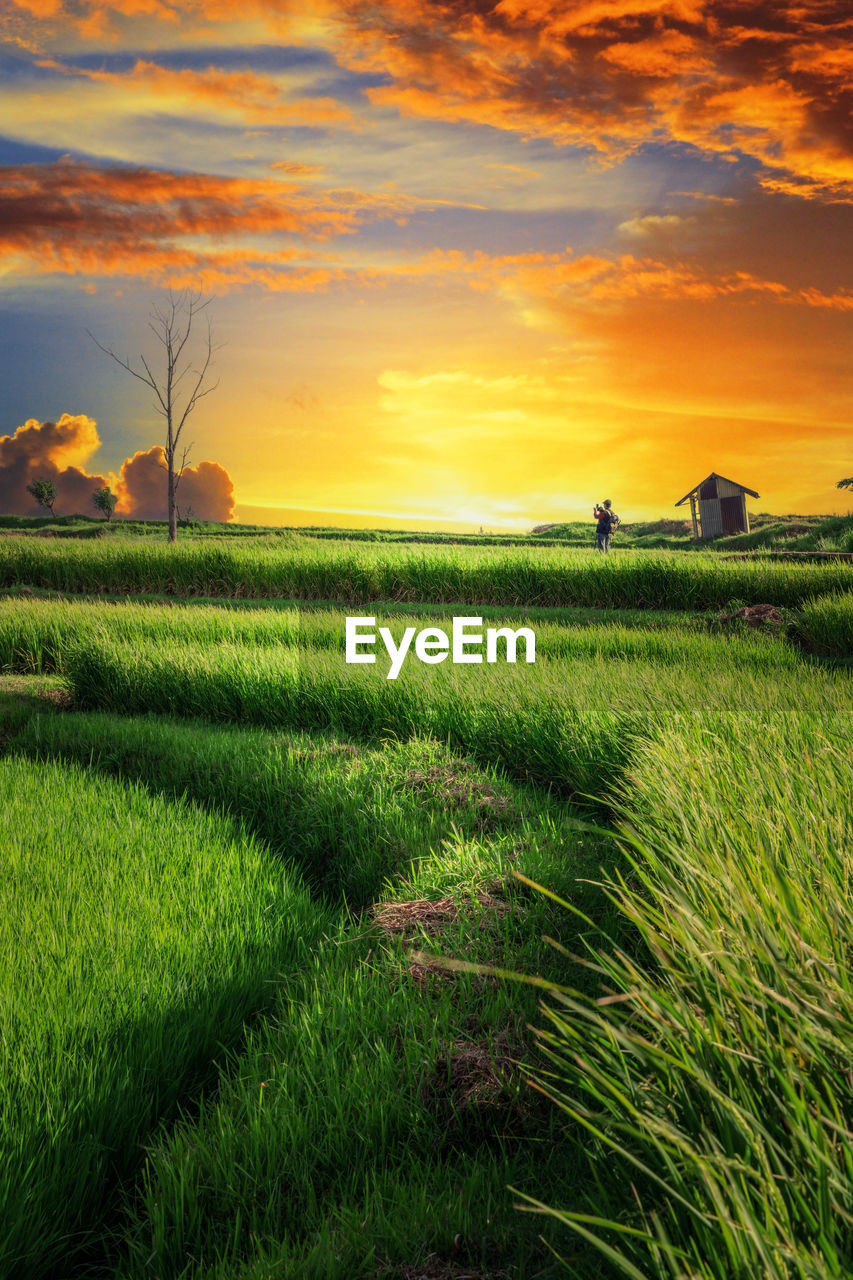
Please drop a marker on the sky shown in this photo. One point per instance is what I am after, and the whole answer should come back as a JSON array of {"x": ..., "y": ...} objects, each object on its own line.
[{"x": 471, "y": 262}]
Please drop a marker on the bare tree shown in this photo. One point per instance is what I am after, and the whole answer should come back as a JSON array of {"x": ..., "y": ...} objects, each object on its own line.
[{"x": 182, "y": 381}]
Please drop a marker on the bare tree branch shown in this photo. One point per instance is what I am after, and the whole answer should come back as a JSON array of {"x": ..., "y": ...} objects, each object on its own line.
[
  {"x": 172, "y": 326},
  {"x": 180, "y": 471}
]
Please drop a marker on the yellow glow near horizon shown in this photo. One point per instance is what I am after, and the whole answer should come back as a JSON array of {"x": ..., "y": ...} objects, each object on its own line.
[{"x": 457, "y": 282}]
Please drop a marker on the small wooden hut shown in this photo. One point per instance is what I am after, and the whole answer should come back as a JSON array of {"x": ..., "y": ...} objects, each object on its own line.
[{"x": 718, "y": 505}]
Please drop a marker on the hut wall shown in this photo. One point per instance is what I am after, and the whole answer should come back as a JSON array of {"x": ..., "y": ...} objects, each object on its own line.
[
  {"x": 710, "y": 517},
  {"x": 725, "y": 489},
  {"x": 735, "y": 518}
]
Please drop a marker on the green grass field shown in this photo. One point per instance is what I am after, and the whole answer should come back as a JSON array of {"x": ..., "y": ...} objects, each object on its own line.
[
  {"x": 267, "y": 915},
  {"x": 798, "y": 533},
  {"x": 357, "y": 573}
]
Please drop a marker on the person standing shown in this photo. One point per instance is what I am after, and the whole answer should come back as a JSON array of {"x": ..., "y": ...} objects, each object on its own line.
[{"x": 607, "y": 521}]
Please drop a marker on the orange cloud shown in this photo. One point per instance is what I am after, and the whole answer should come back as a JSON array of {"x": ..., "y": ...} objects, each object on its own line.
[
  {"x": 58, "y": 451},
  {"x": 52, "y": 451},
  {"x": 184, "y": 229},
  {"x": 599, "y": 279},
  {"x": 610, "y": 74},
  {"x": 89, "y": 15},
  {"x": 615, "y": 74},
  {"x": 76, "y": 218},
  {"x": 71, "y": 440},
  {"x": 205, "y": 492},
  {"x": 255, "y": 98},
  {"x": 39, "y": 8},
  {"x": 771, "y": 82}
]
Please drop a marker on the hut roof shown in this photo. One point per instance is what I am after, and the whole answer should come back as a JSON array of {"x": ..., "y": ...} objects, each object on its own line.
[{"x": 715, "y": 476}]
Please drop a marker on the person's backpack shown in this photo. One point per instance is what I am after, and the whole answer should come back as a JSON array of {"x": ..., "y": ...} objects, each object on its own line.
[
  {"x": 614, "y": 522},
  {"x": 609, "y": 522}
]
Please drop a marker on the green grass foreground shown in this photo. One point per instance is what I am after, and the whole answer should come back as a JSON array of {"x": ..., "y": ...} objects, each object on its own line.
[
  {"x": 708, "y": 1077},
  {"x": 359, "y": 1109},
  {"x": 137, "y": 937},
  {"x": 348, "y": 816},
  {"x": 718, "y": 1076},
  {"x": 569, "y": 724},
  {"x": 36, "y": 635},
  {"x": 339, "y": 1138},
  {"x": 358, "y": 573}
]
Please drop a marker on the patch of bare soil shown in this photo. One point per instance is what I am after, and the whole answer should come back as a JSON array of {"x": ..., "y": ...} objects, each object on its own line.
[
  {"x": 754, "y": 615},
  {"x": 435, "y": 1268},
  {"x": 62, "y": 698},
  {"x": 431, "y": 914},
  {"x": 459, "y": 784},
  {"x": 348, "y": 749},
  {"x": 424, "y": 972},
  {"x": 472, "y": 1075},
  {"x": 430, "y": 973},
  {"x": 31, "y": 688}
]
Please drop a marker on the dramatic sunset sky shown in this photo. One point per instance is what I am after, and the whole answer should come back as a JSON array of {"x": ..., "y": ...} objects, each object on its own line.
[{"x": 482, "y": 261}]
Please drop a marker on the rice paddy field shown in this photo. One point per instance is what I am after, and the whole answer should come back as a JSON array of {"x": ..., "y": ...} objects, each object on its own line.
[{"x": 485, "y": 972}]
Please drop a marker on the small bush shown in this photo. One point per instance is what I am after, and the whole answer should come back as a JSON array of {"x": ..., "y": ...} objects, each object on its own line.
[{"x": 825, "y": 625}]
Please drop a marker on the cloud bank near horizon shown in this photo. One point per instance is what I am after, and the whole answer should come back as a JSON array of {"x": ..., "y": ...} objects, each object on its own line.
[{"x": 59, "y": 451}]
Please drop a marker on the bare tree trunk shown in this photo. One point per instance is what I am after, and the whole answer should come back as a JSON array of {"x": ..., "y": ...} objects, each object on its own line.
[{"x": 173, "y": 514}]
